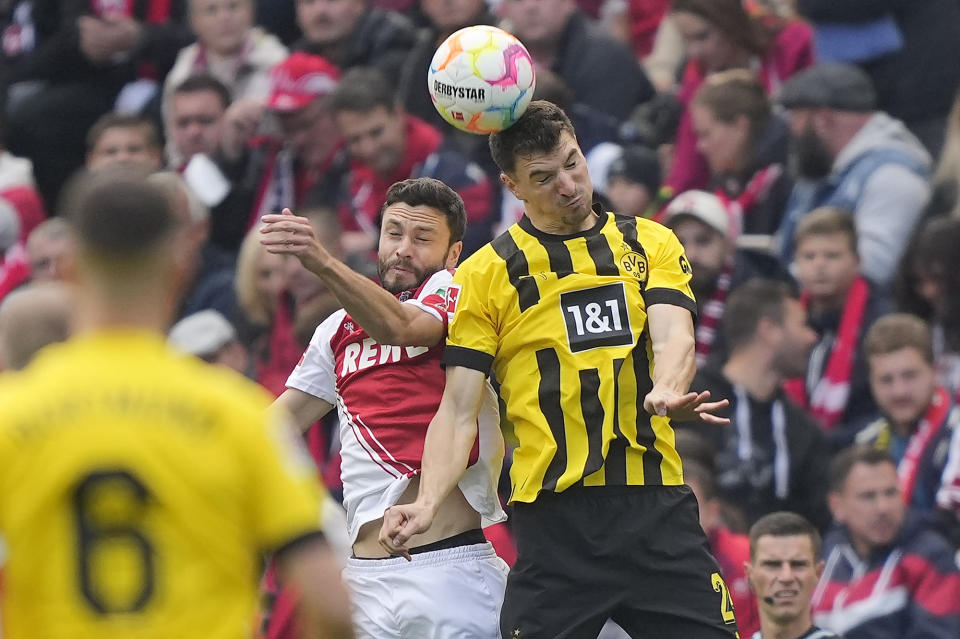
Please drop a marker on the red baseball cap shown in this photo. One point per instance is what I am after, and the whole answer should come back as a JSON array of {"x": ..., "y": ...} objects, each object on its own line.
[{"x": 299, "y": 80}]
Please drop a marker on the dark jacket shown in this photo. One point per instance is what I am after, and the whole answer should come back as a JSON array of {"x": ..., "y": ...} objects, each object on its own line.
[
  {"x": 602, "y": 72},
  {"x": 381, "y": 39},
  {"x": 763, "y": 481},
  {"x": 908, "y": 590}
]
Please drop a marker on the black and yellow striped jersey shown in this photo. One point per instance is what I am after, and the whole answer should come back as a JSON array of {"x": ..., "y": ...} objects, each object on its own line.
[
  {"x": 139, "y": 489},
  {"x": 562, "y": 321}
]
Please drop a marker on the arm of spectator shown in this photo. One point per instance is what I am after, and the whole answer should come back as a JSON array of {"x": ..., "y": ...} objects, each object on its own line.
[
  {"x": 382, "y": 315},
  {"x": 160, "y": 43},
  {"x": 848, "y": 10},
  {"x": 446, "y": 451},
  {"x": 312, "y": 571},
  {"x": 674, "y": 366},
  {"x": 893, "y": 200},
  {"x": 241, "y": 122},
  {"x": 304, "y": 407}
]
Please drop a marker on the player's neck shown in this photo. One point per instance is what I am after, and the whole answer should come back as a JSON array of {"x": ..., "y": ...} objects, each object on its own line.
[
  {"x": 99, "y": 311},
  {"x": 795, "y": 629}
]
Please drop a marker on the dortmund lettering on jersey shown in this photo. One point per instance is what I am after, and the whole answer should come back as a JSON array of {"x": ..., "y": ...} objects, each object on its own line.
[
  {"x": 562, "y": 322},
  {"x": 138, "y": 488}
]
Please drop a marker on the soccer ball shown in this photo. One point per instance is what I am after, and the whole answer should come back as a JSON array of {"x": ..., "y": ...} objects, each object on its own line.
[{"x": 481, "y": 79}]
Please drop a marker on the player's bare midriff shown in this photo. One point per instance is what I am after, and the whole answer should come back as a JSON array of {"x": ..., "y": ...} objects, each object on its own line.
[{"x": 454, "y": 516}]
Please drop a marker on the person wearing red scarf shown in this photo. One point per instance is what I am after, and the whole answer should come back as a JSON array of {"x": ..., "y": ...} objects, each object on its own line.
[
  {"x": 841, "y": 306},
  {"x": 919, "y": 416},
  {"x": 387, "y": 145}
]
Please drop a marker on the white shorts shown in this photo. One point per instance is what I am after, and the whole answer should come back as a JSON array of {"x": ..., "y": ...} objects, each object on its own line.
[{"x": 455, "y": 593}]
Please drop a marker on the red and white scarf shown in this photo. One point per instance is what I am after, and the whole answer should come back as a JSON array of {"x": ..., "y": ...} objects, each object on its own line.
[
  {"x": 756, "y": 190},
  {"x": 933, "y": 420},
  {"x": 828, "y": 399},
  {"x": 710, "y": 314}
]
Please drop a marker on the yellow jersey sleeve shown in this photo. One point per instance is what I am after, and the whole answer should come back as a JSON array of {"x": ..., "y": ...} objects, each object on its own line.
[
  {"x": 284, "y": 492},
  {"x": 473, "y": 337},
  {"x": 670, "y": 272}
]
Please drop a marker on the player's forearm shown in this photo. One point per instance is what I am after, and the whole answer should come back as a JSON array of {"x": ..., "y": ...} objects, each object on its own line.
[
  {"x": 446, "y": 452},
  {"x": 382, "y": 315},
  {"x": 674, "y": 361}
]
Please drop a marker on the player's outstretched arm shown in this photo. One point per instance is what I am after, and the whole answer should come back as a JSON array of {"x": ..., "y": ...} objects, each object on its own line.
[
  {"x": 385, "y": 318},
  {"x": 303, "y": 407},
  {"x": 674, "y": 366},
  {"x": 323, "y": 608},
  {"x": 446, "y": 451}
]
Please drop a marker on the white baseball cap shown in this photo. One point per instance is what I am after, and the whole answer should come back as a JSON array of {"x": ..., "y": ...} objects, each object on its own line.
[
  {"x": 202, "y": 334},
  {"x": 703, "y": 206}
]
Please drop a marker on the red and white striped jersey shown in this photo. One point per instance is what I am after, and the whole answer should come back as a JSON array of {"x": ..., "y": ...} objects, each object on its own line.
[{"x": 386, "y": 396}]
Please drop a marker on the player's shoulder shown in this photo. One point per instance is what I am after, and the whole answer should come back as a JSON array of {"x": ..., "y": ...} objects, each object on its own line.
[{"x": 646, "y": 228}]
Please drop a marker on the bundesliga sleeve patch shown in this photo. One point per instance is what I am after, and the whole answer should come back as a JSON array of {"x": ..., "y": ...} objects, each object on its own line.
[{"x": 453, "y": 294}]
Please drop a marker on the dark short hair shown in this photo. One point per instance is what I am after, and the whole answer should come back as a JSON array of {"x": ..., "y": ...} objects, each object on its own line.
[
  {"x": 751, "y": 302},
  {"x": 122, "y": 121},
  {"x": 841, "y": 465},
  {"x": 537, "y": 131},
  {"x": 784, "y": 524},
  {"x": 731, "y": 18},
  {"x": 435, "y": 194},
  {"x": 118, "y": 213},
  {"x": 201, "y": 82},
  {"x": 361, "y": 90}
]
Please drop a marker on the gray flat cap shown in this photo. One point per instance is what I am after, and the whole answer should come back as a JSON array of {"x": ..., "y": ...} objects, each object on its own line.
[{"x": 843, "y": 87}]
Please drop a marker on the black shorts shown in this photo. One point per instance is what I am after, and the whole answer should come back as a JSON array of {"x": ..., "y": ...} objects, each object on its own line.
[{"x": 634, "y": 554}]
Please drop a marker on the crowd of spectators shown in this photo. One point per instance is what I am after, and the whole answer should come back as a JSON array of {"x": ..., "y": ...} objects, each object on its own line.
[{"x": 806, "y": 153}]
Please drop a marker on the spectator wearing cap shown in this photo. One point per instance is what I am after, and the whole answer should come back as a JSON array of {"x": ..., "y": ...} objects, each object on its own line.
[
  {"x": 352, "y": 33},
  {"x": 905, "y": 47},
  {"x": 772, "y": 455},
  {"x": 745, "y": 145},
  {"x": 386, "y": 145},
  {"x": 703, "y": 226},
  {"x": 272, "y": 171},
  {"x": 209, "y": 336},
  {"x": 841, "y": 307},
  {"x": 602, "y": 72},
  {"x": 720, "y": 35},
  {"x": 850, "y": 156},
  {"x": 633, "y": 182}
]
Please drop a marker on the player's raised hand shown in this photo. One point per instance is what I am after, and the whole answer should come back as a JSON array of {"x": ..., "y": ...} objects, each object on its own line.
[
  {"x": 402, "y": 522},
  {"x": 692, "y": 407},
  {"x": 290, "y": 234}
]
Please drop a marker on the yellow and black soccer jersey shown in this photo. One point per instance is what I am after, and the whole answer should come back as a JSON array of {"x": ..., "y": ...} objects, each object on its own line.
[
  {"x": 562, "y": 321},
  {"x": 137, "y": 490}
]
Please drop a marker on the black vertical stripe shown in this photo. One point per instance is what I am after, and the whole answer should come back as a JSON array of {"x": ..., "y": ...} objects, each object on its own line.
[
  {"x": 602, "y": 256},
  {"x": 593, "y": 414},
  {"x": 645, "y": 435},
  {"x": 559, "y": 255},
  {"x": 549, "y": 395},
  {"x": 517, "y": 270},
  {"x": 616, "y": 463},
  {"x": 628, "y": 228}
]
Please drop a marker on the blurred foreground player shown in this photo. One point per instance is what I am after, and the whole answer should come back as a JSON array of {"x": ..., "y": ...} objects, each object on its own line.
[{"x": 139, "y": 487}]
